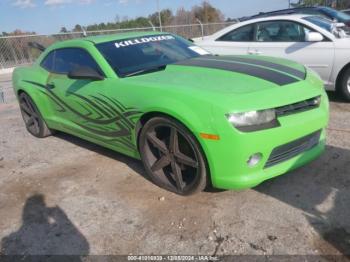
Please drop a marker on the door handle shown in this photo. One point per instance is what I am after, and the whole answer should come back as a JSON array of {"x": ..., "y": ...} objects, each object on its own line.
[
  {"x": 50, "y": 86},
  {"x": 254, "y": 52}
]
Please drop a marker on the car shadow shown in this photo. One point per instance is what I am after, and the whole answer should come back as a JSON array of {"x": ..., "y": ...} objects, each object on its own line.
[
  {"x": 322, "y": 191},
  {"x": 134, "y": 164},
  {"x": 45, "y": 231},
  {"x": 326, "y": 179}
]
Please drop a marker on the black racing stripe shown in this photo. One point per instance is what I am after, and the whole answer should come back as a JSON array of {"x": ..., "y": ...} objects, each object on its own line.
[
  {"x": 253, "y": 61},
  {"x": 255, "y": 71}
]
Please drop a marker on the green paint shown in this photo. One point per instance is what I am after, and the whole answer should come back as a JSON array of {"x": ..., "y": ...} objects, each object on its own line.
[{"x": 198, "y": 97}]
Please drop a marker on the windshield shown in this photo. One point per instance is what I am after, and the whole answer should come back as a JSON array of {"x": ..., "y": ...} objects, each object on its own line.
[
  {"x": 337, "y": 31},
  {"x": 321, "y": 22},
  {"x": 340, "y": 16},
  {"x": 148, "y": 53}
]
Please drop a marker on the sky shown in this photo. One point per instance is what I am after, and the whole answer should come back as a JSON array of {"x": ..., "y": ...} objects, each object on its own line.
[{"x": 48, "y": 16}]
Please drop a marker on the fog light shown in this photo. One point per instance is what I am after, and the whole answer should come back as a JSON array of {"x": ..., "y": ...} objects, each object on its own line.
[{"x": 254, "y": 159}]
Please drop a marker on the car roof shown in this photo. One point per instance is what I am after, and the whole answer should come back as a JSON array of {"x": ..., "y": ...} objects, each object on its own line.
[
  {"x": 105, "y": 38},
  {"x": 277, "y": 17},
  {"x": 288, "y": 11}
]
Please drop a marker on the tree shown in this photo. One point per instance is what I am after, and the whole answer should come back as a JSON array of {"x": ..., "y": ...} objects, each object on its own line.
[
  {"x": 342, "y": 4},
  {"x": 77, "y": 28},
  {"x": 166, "y": 16},
  {"x": 102, "y": 26},
  {"x": 63, "y": 30},
  {"x": 339, "y": 4},
  {"x": 206, "y": 13},
  {"x": 183, "y": 17}
]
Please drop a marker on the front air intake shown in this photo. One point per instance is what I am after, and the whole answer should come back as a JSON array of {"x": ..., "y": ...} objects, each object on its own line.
[{"x": 292, "y": 149}]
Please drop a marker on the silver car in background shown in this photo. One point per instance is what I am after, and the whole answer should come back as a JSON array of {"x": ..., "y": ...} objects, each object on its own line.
[{"x": 314, "y": 41}]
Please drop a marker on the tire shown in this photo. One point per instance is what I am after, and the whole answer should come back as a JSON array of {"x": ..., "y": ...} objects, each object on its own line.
[
  {"x": 172, "y": 157},
  {"x": 32, "y": 117},
  {"x": 344, "y": 85}
]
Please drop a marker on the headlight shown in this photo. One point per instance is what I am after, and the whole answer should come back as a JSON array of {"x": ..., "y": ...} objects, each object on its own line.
[{"x": 253, "y": 119}]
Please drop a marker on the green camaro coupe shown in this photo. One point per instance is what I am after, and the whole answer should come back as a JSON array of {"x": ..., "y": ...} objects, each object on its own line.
[{"x": 194, "y": 119}]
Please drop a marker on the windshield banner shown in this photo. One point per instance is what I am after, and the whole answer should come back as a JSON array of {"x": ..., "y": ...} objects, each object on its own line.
[{"x": 143, "y": 40}]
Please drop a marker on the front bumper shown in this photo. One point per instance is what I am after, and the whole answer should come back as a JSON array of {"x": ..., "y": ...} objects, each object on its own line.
[
  {"x": 227, "y": 158},
  {"x": 252, "y": 179}
]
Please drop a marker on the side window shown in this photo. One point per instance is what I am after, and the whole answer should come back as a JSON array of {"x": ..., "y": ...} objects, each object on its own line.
[
  {"x": 242, "y": 34},
  {"x": 280, "y": 31},
  {"x": 47, "y": 62},
  {"x": 68, "y": 59}
]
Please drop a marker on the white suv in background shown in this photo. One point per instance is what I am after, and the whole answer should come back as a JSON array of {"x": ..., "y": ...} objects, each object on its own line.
[{"x": 313, "y": 41}]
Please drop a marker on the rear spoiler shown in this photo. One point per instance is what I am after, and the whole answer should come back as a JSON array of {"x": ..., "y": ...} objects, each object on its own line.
[{"x": 37, "y": 46}]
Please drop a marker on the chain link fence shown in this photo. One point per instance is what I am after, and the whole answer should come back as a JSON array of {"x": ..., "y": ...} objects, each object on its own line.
[
  {"x": 14, "y": 50},
  {"x": 2, "y": 96}
]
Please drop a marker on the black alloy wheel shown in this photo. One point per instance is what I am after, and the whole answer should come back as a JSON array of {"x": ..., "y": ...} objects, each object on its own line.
[
  {"x": 32, "y": 117},
  {"x": 344, "y": 85},
  {"x": 172, "y": 157}
]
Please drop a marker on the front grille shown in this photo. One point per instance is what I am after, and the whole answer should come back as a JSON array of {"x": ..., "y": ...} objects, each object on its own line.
[
  {"x": 299, "y": 107},
  {"x": 292, "y": 149}
]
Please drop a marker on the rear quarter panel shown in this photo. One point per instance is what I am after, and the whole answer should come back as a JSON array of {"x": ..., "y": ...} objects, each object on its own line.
[{"x": 22, "y": 78}]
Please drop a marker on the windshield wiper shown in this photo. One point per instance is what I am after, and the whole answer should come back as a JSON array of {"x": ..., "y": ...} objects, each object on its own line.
[{"x": 146, "y": 70}]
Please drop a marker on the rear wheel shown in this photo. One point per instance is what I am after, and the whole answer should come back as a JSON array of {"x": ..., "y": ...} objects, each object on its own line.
[
  {"x": 172, "y": 157},
  {"x": 344, "y": 85},
  {"x": 32, "y": 117}
]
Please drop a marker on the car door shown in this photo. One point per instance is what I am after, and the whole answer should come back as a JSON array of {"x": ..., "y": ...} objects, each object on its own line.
[
  {"x": 81, "y": 106},
  {"x": 236, "y": 42},
  {"x": 287, "y": 39}
]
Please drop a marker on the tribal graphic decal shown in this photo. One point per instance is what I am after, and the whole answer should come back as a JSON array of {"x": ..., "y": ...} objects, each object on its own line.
[{"x": 101, "y": 115}]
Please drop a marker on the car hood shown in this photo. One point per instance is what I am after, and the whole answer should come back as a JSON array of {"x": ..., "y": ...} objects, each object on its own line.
[
  {"x": 201, "y": 39},
  {"x": 343, "y": 43},
  {"x": 229, "y": 77}
]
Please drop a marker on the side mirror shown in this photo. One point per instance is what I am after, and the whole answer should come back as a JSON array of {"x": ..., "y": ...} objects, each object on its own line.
[
  {"x": 340, "y": 24},
  {"x": 314, "y": 37},
  {"x": 86, "y": 73}
]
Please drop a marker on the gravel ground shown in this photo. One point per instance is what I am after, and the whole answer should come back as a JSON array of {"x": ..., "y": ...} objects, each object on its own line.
[{"x": 61, "y": 195}]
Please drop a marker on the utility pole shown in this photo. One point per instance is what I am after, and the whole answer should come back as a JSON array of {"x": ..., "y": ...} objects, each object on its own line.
[{"x": 159, "y": 17}]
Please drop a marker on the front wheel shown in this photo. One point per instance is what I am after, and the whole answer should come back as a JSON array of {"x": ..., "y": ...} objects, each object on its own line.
[
  {"x": 172, "y": 156},
  {"x": 344, "y": 85}
]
